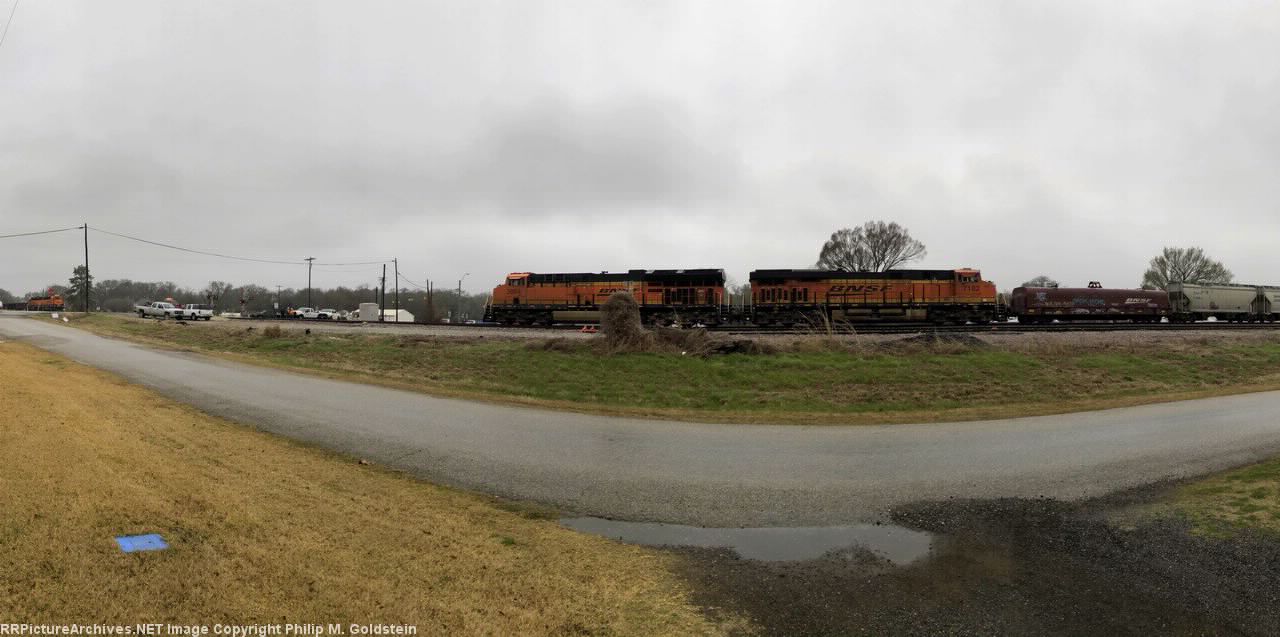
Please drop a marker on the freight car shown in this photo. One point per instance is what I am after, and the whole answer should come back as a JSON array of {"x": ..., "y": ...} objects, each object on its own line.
[
  {"x": 798, "y": 297},
  {"x": 666, "y": 297},
  {"x": 1044, "y": 305},
  {"x": 1231, "y": 303}
]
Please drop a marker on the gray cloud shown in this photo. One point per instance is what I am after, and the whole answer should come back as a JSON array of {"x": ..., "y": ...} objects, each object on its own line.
[
  {"x": 1021, "y": 137},
  {"x": 546, "y": 158}
]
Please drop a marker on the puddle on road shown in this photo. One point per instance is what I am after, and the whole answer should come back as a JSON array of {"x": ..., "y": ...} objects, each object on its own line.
[{"x": 899, "y": 545}]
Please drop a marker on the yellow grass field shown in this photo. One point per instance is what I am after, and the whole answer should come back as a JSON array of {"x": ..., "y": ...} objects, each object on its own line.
[{"x": 263, "y": 530}]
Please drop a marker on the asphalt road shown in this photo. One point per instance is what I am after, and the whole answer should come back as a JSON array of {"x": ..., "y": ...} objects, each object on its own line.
[{"x": 703, "y": 474}]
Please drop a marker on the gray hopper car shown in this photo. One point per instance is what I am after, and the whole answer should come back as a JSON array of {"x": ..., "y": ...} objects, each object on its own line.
[{"x": 1231, "y": 303}]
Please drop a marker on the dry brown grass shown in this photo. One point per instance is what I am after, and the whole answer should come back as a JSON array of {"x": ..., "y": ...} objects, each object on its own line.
[{"x": 264, "y": 530}]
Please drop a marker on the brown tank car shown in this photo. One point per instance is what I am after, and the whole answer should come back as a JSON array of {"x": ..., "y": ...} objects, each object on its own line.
[{"x": 1045, "y": 305}]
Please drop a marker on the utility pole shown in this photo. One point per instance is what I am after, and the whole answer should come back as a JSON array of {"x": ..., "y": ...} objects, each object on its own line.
[
  {"x": 396, "y": 263},
  {"x": 382, "y": 304},
  {"x": 277, "y": 303},
  {"x": 86, "y": 268},
  {"x": 309, "y": 260},
  {"x": 458, "y": 317},
  {"x": 431, "y": 304}
]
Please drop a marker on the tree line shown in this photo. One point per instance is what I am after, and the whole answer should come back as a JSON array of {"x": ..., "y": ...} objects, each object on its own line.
[
  {"x": 120, "y": 295},
  {"x": 877, "y": 246}
]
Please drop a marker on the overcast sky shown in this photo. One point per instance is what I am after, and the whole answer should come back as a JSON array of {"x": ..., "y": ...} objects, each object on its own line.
[{"x": 1065, "y": 138}]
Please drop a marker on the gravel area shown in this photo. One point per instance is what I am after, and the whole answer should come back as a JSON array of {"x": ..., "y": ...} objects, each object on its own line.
[
  {"x": 408, "y": 329},
  {"x": 1028, "y": 567}
]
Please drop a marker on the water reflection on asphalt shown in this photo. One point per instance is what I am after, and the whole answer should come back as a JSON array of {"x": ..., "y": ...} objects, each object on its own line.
[{"x": 899, "y": 545}]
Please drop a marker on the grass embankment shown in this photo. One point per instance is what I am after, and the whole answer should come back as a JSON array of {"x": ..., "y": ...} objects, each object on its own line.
[
  {"x": 264, "y": 530},
  {"x": 1247, "y": 498},
  {"x": 811, "y": 380}
]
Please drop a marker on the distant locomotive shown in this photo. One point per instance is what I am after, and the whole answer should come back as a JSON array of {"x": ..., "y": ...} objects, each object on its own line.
[
  {"x": 49, "y": 303},
  {"x": 791, "y": 297},
  {"x": 1045, "y": 305},
  {"x": 666, "y": 297}
]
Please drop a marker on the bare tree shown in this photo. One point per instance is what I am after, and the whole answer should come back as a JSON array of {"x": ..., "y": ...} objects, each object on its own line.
[
  {"x": 876, "y": 246},
  {"x": 1184, "y": 265},
  {"x": 218, "y": 293},
  {"x": 1041, "y": 281}
]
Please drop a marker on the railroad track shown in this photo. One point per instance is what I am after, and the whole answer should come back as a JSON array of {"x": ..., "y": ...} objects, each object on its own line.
[
  {"x": 997, "y": 328},
  {"x": 887, "y": 328}
]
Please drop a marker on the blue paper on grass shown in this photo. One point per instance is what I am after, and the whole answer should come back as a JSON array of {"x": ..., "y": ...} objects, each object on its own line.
[{"x": 150, "y": 542}]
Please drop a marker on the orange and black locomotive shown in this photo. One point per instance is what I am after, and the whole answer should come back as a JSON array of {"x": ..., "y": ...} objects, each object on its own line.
[
  {"x": 666, "y": 297},
  {"x": 792, "y": 297}
]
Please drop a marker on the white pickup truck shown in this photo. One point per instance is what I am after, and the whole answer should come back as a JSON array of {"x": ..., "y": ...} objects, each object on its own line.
[{"x": 158, "y": 309}]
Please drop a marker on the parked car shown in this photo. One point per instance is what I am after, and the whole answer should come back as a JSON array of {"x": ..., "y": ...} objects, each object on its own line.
[
  {"x": 159, "y": 310},
  {"x": 196, "y": 312},
  {"x": 327, "y": 313}
]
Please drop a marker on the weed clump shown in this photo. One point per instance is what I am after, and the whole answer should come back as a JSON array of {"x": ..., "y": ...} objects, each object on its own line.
[
  {"x": 272, "y": 331},
  {"x": 625, "y": 333},
  {"x": 621, "y": 326}
]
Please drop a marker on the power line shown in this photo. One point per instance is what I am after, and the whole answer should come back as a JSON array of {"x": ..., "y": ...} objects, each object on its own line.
[
  {"x": 359, "y": 262},
  {"x": 32, "y": 234},
  {"x": 410, "y": 282},
  {"x": 229, "y": 256},
  {"x": 345, "y": 271},
  {"x": 194, "y": 251},
  {"x": 6, "y": 24}
]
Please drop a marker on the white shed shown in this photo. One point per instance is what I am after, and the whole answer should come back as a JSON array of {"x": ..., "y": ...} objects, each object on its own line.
[{"x": 389, "y": 316}]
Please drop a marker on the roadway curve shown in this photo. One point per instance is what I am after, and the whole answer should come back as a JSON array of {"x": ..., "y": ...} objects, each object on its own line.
[{"x": 706, "y": 474}]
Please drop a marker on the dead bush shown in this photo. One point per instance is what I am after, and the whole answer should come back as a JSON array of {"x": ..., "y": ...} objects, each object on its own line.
[
  {"x": 272, "y": 331},
  {"x": 623, "y": 332},
  {"x": 621, "y": 326},
  {"x": 688, "y": 342}
]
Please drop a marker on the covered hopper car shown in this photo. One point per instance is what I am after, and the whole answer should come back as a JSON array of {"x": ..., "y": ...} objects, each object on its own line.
[
  {"x": 797, "y": 297},
  {"x": 1045, "y": 305},
  {"x": 666, "y": 297},
  {"x": 1231, "y": 303}
]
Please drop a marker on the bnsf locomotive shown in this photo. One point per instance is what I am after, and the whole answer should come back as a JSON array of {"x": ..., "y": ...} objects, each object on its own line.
[
  {"x": 50, "y": 303},
  {"x": 666, "y": 297},
  {"x": 791, "y": 297}
]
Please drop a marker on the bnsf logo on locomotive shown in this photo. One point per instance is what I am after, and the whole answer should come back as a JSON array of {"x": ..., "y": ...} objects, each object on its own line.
[
  {"x": 859, "y": 288},
  {"x": 1136, "y": 300}
]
